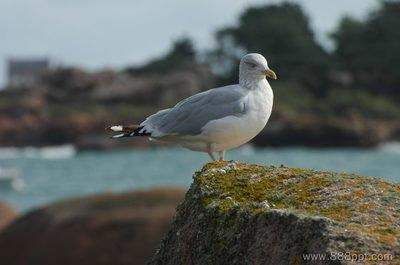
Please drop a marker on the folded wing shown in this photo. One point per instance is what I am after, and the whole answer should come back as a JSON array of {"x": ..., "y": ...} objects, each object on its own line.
[{"x": 189, "y": 116}]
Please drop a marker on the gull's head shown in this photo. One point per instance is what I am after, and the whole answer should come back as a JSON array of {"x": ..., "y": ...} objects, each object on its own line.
[{"x": 255, "y": 66}]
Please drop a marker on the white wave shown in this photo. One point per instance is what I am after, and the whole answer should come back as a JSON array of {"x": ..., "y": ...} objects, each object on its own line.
[
  {"x": 8, "y": 152},
  {"x": 390, "y": 147},
  {"x": 58, "y": 152},
  {"x": 48, "y": 152},
  {"x": 10, "y": 178}
]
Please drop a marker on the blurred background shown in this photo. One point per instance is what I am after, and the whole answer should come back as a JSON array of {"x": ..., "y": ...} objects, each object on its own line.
[{"x": 68, "y": 69}]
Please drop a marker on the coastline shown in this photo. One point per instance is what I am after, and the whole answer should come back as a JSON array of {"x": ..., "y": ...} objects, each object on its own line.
[{"x": 307, "y": 132}]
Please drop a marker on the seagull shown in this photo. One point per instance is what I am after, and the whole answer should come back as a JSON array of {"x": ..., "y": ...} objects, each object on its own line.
[{"x": 215, "y": 120}]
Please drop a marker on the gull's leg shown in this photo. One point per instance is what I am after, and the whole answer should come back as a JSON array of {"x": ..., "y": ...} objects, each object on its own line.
[
  {"x": 221, "y": 155},
  {"x": 210, "y": 152}
]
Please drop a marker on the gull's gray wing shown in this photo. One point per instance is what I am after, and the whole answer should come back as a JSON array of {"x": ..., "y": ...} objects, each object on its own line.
[{"x": 190, "y": 115}]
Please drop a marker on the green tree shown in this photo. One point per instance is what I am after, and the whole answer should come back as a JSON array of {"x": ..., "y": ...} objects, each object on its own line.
[
  {"x": 370, "y": 50},
  {"x": 283, "y": 34},
  {"x": 181, "y": 54}
]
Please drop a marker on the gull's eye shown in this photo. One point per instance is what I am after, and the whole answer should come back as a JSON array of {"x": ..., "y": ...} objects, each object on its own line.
[{"x": 252, "y": 65}]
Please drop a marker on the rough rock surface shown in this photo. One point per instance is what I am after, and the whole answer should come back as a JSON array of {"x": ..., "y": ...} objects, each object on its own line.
[
  {"x": 7, "y": 214},
  {"x": 248, "y": 214},
  {"x": 102, "y": 229},
  {"x": 311, "y": 130}
]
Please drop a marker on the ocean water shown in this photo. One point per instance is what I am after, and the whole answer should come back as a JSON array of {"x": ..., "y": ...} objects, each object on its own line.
[{"x": 50, "y": 174}]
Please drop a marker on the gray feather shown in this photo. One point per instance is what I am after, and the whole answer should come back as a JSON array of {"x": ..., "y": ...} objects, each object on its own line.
[{"x": 190, "y": 115}]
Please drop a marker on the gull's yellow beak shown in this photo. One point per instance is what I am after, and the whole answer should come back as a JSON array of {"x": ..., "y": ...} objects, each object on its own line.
[{"x": 271, "y": 74}]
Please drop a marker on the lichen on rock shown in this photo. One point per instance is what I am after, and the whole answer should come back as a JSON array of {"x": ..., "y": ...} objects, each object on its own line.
[{"x": 236, "y": 213}]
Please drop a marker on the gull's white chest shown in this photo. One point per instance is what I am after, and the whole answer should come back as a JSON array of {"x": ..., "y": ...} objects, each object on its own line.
[{"x": 233, "y": 131}]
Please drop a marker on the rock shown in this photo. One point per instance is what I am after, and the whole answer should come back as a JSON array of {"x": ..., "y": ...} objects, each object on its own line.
[
  {"x": 7, "y": 215},
  {"x": 311, "y": 130},
  {"x": 72, "y": 105},
  {"x": 159, "y": 90},
  {"x": 101, "y": 229},
  {"x": 69, "y": 84},
  {"x": 237, "y": 213}
]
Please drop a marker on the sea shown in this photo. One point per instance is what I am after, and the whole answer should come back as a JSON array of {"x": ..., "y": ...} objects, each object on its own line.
[{"x": 39, "y": 176}]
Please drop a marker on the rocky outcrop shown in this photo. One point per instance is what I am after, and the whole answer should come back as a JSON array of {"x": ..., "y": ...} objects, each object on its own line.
[
  {"x": 314, "y": 131},
  {"x": 150, "y": 89},
  {"x": 7, "y": 214},
  {"x": 101, "y": 229},
  {"x": 73, "y": 106},
  {"x": 236, "y": 213}
]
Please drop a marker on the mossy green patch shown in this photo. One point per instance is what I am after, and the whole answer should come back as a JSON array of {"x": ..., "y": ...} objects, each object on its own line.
[
  {"x": 367, "y": 206},
  {"x": 236, "y": 213}
]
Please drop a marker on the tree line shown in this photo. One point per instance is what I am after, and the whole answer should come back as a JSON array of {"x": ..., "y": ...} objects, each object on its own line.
[{"x": 366, "y": 54}]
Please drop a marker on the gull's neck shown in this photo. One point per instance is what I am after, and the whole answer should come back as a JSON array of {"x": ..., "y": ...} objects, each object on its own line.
[{"x": 252, "y": 82}]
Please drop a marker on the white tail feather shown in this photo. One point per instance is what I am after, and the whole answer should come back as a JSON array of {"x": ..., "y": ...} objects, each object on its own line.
[{"x": 116, "y": 128}]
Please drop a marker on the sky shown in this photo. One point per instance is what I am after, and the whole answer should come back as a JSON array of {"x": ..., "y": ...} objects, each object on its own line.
[{"x": 102, "y": 33}]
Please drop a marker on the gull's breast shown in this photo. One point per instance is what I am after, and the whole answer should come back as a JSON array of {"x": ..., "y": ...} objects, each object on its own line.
[{"x": 233, "y": 131}]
